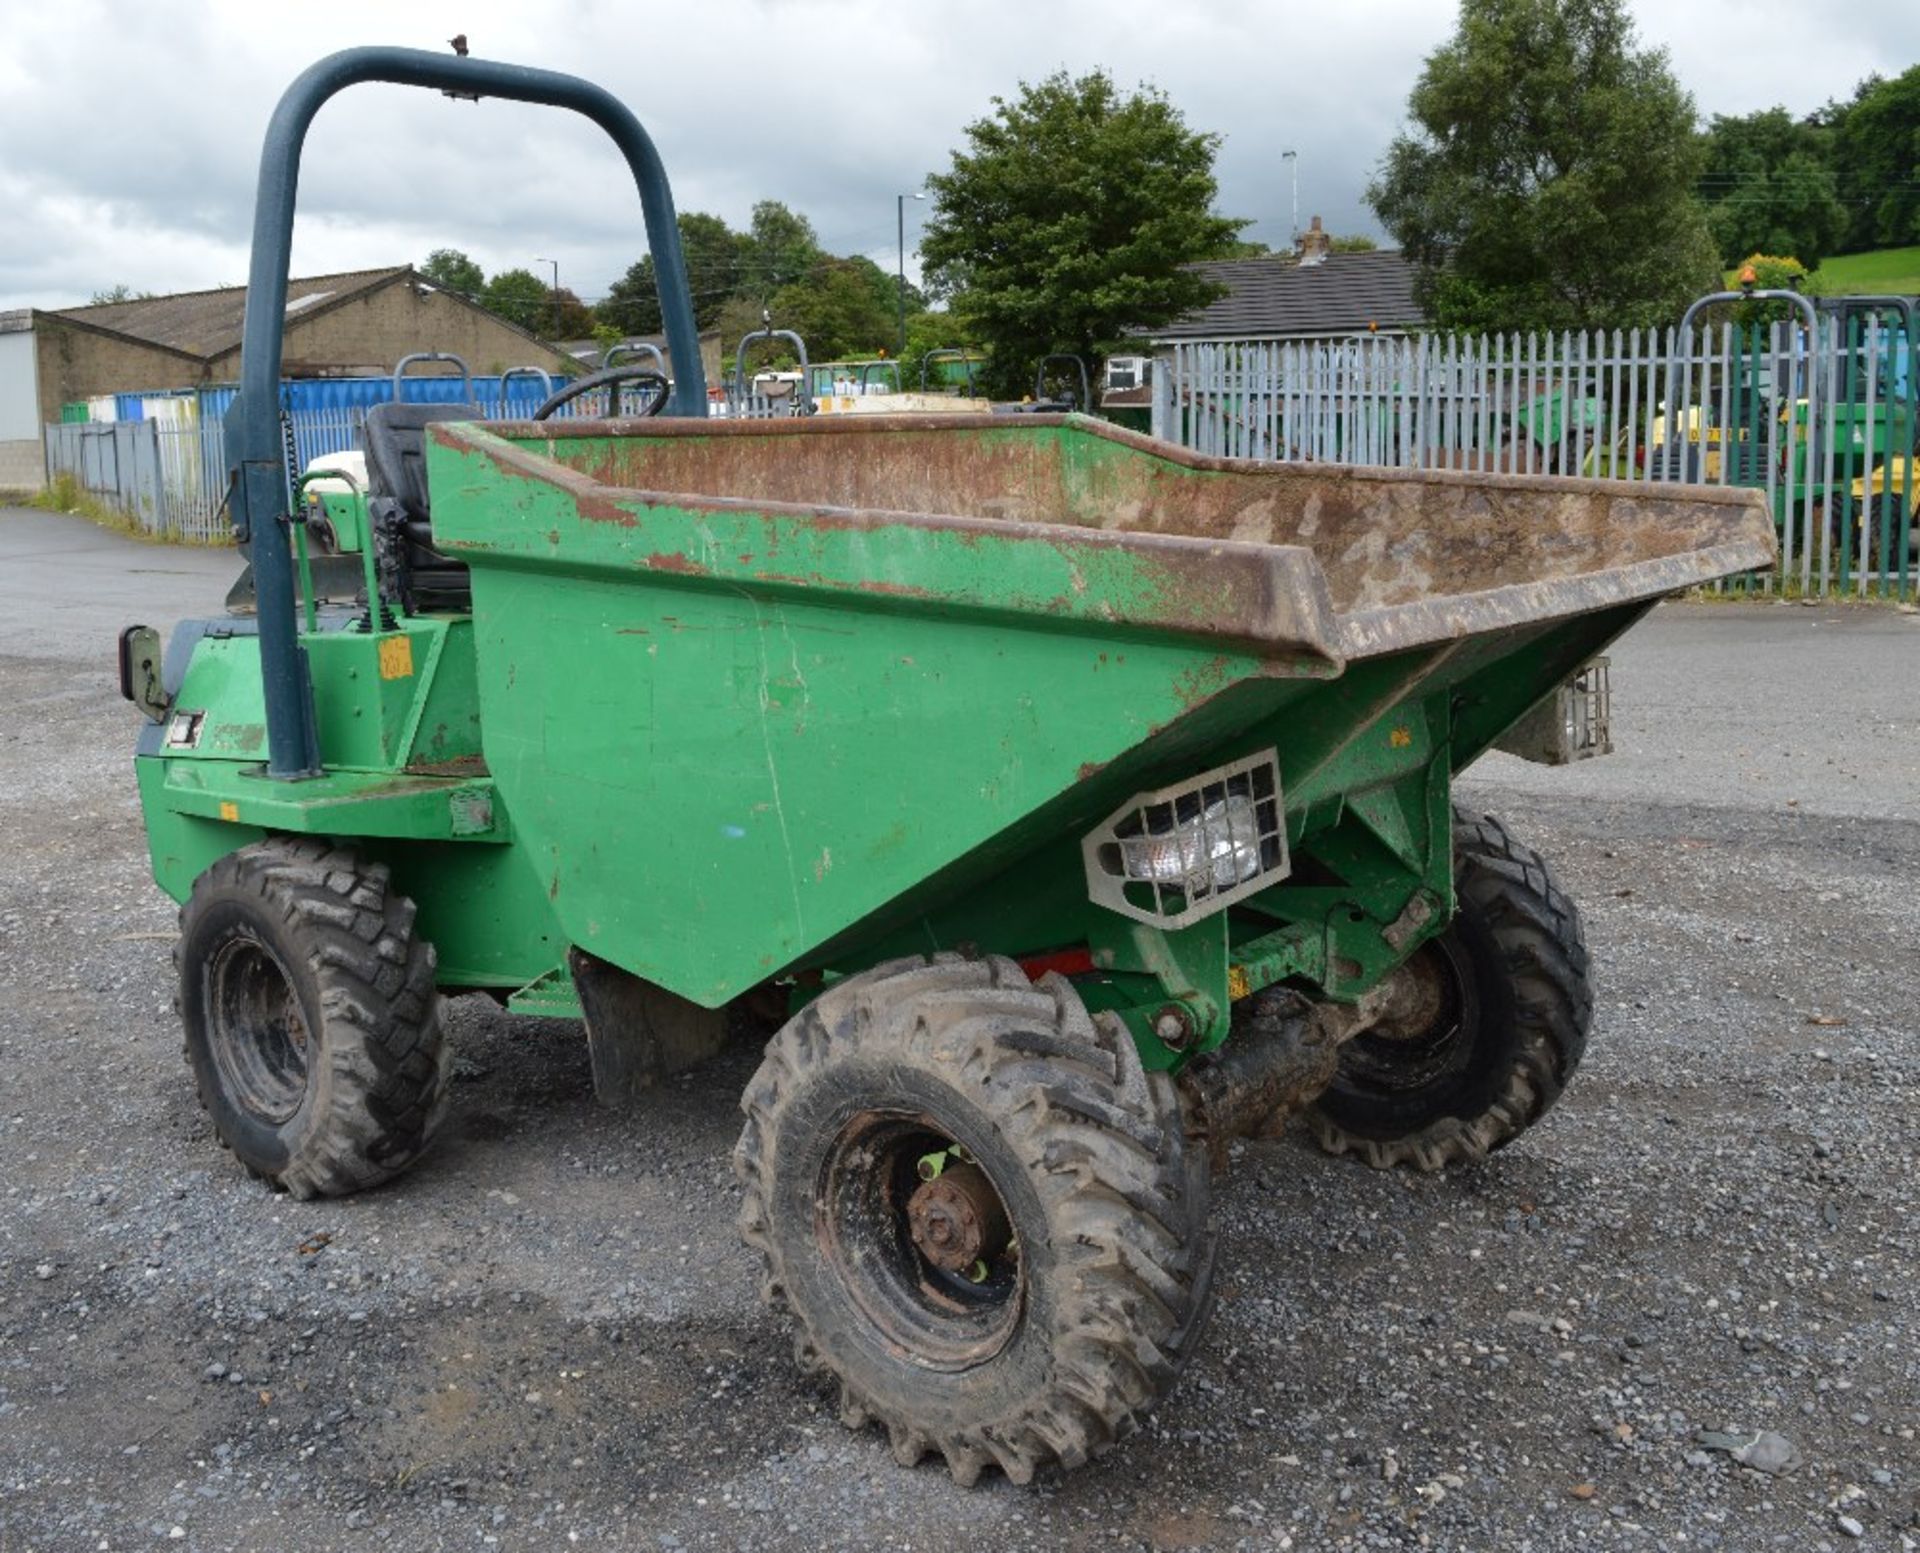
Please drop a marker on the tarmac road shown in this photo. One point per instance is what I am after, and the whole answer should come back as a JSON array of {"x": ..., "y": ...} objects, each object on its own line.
[{"x": 547, "y": 1336}]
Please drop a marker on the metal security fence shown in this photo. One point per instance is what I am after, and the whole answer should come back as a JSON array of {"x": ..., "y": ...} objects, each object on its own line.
[
  {"x": 167, "y": 477},
  {"x": 167, "y": 473},
  {"x": 1823, "y": 422}
]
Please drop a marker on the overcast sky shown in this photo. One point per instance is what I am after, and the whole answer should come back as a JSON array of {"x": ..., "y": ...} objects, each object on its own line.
[{"x": 129, "y": 134}]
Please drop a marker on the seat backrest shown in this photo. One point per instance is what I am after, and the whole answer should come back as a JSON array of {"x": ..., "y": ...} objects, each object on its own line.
[{"x": 396, "y": 450}]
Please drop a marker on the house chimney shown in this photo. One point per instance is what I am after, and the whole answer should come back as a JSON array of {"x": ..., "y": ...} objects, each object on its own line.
[{"x": 1314, "y": 243}]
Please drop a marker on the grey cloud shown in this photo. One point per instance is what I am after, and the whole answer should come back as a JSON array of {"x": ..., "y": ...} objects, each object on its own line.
[{"x": 129, "y": 136}]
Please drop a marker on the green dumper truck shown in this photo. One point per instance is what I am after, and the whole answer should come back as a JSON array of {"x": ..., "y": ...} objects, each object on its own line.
[{"x": 1072, "y": 804}]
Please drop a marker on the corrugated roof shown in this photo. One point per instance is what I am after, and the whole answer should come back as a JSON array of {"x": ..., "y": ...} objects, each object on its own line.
[
  {"x": 1272, "y": 296},
  {"x": 207, "y": 323}
]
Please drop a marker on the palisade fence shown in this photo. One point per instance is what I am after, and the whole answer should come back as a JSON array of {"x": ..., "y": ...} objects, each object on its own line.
[
  {"x": 168, "y": 474},
  {"x": 1826, "y": 427}
]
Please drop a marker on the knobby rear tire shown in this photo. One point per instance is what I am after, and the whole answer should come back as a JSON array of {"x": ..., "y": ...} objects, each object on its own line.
[{"x": 1519, "y": 958}]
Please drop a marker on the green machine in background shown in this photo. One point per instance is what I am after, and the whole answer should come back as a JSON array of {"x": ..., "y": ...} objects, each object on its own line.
[{"x": 1078, "y": 803}]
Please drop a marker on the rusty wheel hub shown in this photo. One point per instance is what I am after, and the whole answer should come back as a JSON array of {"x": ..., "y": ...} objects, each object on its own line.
[
  {"x": 957, "y": 1219},
  {"x": 1416, "y": 999}
]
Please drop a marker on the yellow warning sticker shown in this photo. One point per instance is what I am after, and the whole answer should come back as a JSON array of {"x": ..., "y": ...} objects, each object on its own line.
[
  {"x": 1237, "y": 987},
  {"x": 1400, "y": 738},
  {"x": 229, "y": 810},
  {"x": 396, "y": 657}
]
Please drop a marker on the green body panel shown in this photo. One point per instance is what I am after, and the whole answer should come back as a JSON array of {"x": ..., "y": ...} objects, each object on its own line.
[
  {"x": 716, "y": 732},
  {"x": 398, "y": 714}
]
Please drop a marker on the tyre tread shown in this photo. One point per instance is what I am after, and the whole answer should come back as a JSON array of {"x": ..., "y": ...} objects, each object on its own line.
[
  {"x": 1542, "y": 947},
  {"x": 389, "y": 1060},
  {"x": 1127, "y": 1198}
]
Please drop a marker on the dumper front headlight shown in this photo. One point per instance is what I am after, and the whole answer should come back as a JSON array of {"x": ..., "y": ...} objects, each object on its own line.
[
  {"x": 1184, "y": 852},
  {"x": 1216, "y": 849}
]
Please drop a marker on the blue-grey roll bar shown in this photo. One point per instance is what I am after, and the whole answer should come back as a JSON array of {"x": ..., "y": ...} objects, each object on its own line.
[
  {"x": 1876, "y": 302},
  {"x": 770, "y": 333},
  {"x": 258, "y": 475},
  {"x": 1085, "y": 406},
  {"x": 635, "y": 348},
  {"x": 947, "y": 353},
  {"x": 400, "y": 370},
  {"x": 546, "y": 383},
  {"x": 1676, "y": 429}
]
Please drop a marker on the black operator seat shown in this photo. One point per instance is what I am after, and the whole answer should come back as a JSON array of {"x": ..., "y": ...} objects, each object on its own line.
[{"x": 399, "y": 506}]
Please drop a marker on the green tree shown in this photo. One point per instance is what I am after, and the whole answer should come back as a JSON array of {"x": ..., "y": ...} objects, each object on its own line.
[
  {"x": 928, "y": 331},
  {"x": 841, "y": 307},
  {"x": 521, "y": 297},
  {"x": 780, "y": 248},
  {"x": 1769, "y": 187},
  {"x": 451, "y": 270},
  {"x": 1356, "y": 242},
  {"x": 1877, "y": 158},
  {"x": 120, "y": 292},
  {"x": 1068, "y": 222},
  {"x": 715, "y": 260},
  {"x": 1547, "y": 178},
  {"x": 1771, "y": 272},
  {"x": 566, "y": 317}
]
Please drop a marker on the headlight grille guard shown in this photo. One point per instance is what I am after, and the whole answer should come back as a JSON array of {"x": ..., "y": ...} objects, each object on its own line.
[{"x": 1177, "y": 855}]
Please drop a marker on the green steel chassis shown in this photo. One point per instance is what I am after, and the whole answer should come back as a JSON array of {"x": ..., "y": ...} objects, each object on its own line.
[{"x": 834, "y": 772}]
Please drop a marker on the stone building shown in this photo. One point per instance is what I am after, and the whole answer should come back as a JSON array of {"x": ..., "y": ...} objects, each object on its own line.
[{"x": 356, "y": 324}]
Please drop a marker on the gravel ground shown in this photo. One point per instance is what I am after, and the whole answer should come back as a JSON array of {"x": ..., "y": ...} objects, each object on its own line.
[{"x": 547, "y": 1336}]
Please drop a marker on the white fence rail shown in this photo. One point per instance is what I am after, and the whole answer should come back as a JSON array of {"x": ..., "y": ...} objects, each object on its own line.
[
  {"x": 1825, "y": 427},
  {"x": 169, "y": 478}
]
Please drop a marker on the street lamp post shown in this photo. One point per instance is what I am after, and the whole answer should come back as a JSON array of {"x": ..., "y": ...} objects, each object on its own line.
[
  {"x": 901, "y": 202},
  {"x": 556, "y": 295}
]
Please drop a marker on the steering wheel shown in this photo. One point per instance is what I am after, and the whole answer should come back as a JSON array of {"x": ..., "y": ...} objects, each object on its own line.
[{"x": 612, "y": 375}]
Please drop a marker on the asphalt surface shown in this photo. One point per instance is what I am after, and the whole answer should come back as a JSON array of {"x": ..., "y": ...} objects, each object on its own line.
[{"x": 547, "y": 1336}]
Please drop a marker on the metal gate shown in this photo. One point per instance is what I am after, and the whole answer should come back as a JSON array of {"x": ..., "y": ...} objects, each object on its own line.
[{"x": 1824, "y": 421}]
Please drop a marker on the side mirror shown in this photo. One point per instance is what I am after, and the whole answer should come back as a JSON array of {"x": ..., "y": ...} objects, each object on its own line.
[{"x": 140, "y": 672}]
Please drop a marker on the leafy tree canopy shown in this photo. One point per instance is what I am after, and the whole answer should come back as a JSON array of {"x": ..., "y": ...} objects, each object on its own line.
[
  {"x": 715, "y": 258},
  {"x": 780, "y": 248},
  {"x": 1067, "y": 222},
  {"x": 566, "y": 317},
  {"x": 521, "y": 297},
  {"x": 452, "y": 270},
  {"x": 1547, "y": 178},
  {"x": 1877, "y": 162},
  {"x": 1769, "y": 187},
  {"x": 841, "y": 308}
]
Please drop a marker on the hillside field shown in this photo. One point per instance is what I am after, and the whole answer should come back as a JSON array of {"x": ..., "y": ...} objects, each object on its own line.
[{"x": 1890, "y": 270}]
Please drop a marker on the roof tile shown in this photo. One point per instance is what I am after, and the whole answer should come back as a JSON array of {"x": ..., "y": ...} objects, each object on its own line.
[
  {"x": 207, "y": 323},
  {"x": 1271, "y": 296}
]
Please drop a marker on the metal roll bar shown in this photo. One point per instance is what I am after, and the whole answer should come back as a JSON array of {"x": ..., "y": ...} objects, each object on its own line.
[
  {"x": 635, "y": 348},
  {"x": 1676, "y": 427},
  {"x": 771, "y": 333},
  {"x": 258, "y": 474},
  {"x": 546, "y": 383},
  {"x": 1085, "y": 405},
  {"x": 400, "y": 370},
  {"x": 947, "y": 353}
]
